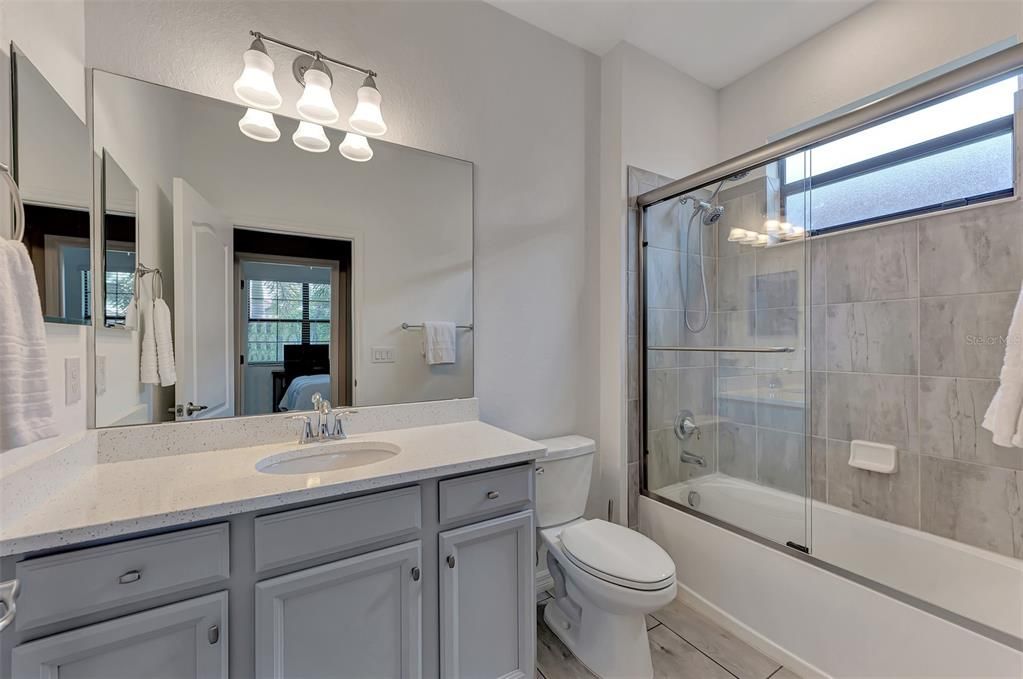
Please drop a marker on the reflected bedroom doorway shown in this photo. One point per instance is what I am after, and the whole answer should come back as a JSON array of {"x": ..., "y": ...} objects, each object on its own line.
[{"x": 294, "y": 321}]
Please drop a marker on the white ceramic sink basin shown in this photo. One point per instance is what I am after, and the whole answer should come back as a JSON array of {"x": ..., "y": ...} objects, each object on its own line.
[{"x": 325, "y": 457}]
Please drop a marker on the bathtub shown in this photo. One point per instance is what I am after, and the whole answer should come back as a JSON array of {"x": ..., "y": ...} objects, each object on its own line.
[{"x": 971, "y": 582}]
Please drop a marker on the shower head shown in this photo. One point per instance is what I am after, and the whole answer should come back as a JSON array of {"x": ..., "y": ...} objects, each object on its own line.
[{"x": 712, "y": 213}]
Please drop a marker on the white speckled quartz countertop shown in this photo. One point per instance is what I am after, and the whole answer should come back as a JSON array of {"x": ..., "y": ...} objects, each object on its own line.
[{"x": 112, "y": 497}]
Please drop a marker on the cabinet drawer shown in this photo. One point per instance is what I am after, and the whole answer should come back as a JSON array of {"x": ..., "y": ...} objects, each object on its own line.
[
  {"x": 68, "y": 585},
  {"x": 480, "y": 494},
  {"x": 302, "y": 534}
]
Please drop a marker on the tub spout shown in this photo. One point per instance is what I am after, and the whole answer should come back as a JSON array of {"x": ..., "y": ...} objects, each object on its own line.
[{"x": 690, "y": 458}]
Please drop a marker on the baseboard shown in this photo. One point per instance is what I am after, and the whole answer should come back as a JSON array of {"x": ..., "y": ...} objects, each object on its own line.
[{"x": 749, "y": 635}]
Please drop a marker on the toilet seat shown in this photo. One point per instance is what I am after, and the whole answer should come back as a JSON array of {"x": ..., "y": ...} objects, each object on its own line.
[{"x": 618, "y": 555}]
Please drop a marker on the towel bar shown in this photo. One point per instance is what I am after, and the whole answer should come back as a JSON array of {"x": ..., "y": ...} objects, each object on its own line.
[
  {"x": 737, "y": 350},
  {"x": 416, "y": 326},
  {"x": 18, "y": 231}
]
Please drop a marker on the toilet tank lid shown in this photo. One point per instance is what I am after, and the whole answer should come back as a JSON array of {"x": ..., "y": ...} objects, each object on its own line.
[{"x": 567, "y": 446}]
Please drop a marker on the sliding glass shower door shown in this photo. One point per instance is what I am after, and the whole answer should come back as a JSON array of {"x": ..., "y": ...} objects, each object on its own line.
[{"x": 726, "y": 374}]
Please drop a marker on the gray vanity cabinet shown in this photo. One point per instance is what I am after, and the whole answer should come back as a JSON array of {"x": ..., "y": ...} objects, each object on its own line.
[
  {"x": 358, "y": 617},
  {"x": 487, "y": 601},
  {"x": 185, "y": 640}
]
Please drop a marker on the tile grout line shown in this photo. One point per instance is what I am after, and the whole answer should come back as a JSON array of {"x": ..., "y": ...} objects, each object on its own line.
[
  {"x": 698, "y": 649},
  {"x": 780, "y": 667}
]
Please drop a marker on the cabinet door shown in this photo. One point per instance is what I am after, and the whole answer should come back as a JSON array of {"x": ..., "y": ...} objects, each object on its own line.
[
  {"x": 487, "y": 601},
  {"x": 359, "y": 617},
  {"x": 181, "y": 641}
]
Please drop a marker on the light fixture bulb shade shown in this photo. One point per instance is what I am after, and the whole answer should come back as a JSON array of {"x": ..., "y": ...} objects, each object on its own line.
[
  {"x": 762, "y": 240},
  {"x": 772, "y": 226},
  {"x": 316, "y": 104},
  {"x": 785, "y": 227},
  {"x": 310, "y": 137},
  {"x": 255, "y": 86},
  {"x": 356, "y": 147},
  {"x": 736, "y": 235},
  {"x": 367, "y": 118},
  {"x": 259, "y": 125}
]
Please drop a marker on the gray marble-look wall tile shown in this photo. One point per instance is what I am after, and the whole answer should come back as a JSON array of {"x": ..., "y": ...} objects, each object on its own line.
[
  {"x": 781, "y": 460},
  {"x": 971, "y": 503},
  {"x": 879, "y": 337},
  {"x": 890, "y": 497},
  {"x": 782, "y": 326},
  {"x": 737, "y": 329},
  {"x": 736, "y": 282},
  {"x": 818, "y": 340},
  {"x": 951, "y": 412},
  {"x": 704, "y": 338},
  {"x": 693, "y": 290},
  {"x": 661, "y": 225},
  {"x": 662, "y": 462},
  {"x": 737, "y": 450},
  {"x": 873, "y": 264},
  {"x": 662, "y": 398},
  {"x": 780, "y": 273},
  {"x": 696, "y": 390},
  {"x": 632, "y": 240},
  {"x": 663, "y": 285},
  {"x": 781, "y": 401},
  {"x": 633, "y": 495},
  {"x": 818, "y": 271},
  {"x": 881, "y": 408},
  {"x": 662, "y": 331},
  {"x": 972, "y": 251},
  {"x": 819, "y": 403},
  {"x": 632, "y": 303},
  {"x": 964, "y": 336},
  {"x": 819, "y": 468}
]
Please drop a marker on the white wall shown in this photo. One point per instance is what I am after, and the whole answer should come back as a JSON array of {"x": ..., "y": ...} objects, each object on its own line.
[
  {"x": 659, "y": 119},
  {"x": 882, "y": 45},
  {"x": 462, "y": 79}
]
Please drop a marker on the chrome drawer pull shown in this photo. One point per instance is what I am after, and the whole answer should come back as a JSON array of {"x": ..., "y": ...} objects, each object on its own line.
[
  {"x": 8, "y": 593},
  {"x": 213, "y": 634},
  {"x": 130, "y": 577},
  {"x": 493, "y": 495}
]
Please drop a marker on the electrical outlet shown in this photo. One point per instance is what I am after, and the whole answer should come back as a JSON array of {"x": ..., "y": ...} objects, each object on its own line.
[
  {"x": 382, "y": 354},
  {"x": 101, "y": 375},
  {"x": 72, "y": 380}
]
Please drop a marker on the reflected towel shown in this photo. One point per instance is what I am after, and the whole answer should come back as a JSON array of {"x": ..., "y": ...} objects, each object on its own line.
[
  {"x": 438, "y": 342},
  {"x": 148, "y": 373},
  {"x": 26, "y": 411},
  {"x": 131, "y": 315},
  {"x": 1004, "y": 417},
  {"x": 164, "y": 343}
]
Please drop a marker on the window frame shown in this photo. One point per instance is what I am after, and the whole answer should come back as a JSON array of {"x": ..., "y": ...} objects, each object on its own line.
[{"x": 925, "y": 149}]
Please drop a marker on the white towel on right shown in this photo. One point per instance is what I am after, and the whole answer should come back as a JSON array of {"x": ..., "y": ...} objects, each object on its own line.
[
  {"x": 1004, "y": 417},
  {"x": 148, "y": 373},
  {"x": 439, "y": 342},
  {"x": 26, "y": 411}
]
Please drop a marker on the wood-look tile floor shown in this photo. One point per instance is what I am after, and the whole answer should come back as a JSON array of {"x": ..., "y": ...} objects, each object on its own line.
[{"x": 683, "y": 645}]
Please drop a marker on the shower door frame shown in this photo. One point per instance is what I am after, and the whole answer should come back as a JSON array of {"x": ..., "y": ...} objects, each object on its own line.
[{"x": 990, "y": 68}]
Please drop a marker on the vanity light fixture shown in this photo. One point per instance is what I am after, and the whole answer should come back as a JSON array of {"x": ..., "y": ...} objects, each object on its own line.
[
  {"x": 772, "y": 226},
  {"x": 259, "y": 125},
  {"x": 367, "y": 119},
  {"x": 356, "y": 147},
  {"x": 315, "y": 105},
  {"x": 310, "y": 137},
  {"x": 255, "y": 86}
]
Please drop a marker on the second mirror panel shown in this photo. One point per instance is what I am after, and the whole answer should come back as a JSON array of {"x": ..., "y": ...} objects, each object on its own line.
[{"x": 265, "y": 273}]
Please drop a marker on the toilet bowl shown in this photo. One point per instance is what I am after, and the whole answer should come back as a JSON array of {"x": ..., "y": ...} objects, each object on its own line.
[{"x": 606, "y": 577}]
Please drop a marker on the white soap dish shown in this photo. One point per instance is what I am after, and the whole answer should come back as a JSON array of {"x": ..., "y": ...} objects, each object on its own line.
[{"x": 874, "y": 457}]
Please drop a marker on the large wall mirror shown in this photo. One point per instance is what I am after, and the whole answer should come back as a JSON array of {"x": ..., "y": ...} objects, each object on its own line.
[
  {"x": 51, "y": 164},
  {"x": 272, "y": 273}
]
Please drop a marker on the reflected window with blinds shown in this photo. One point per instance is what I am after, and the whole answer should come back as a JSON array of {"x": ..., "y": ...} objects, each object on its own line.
[{"x": 286, "y": 312}]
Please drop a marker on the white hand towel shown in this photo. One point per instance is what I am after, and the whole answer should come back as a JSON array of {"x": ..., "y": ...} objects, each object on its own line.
[
  {"x": 148, "y": 373},
  {"x": 1004, "y": 417},
  {"x": 26, "y": 412},
  {"x": 131, "y": 315},
  {"x": 439, "y": 342},
  {"x": 164, "y": 343}
]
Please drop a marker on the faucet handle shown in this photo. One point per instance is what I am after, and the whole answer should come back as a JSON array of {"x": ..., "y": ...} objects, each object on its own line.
[
  {"x": 339, "y": 426},
  {"x": 306, "y": 434}
]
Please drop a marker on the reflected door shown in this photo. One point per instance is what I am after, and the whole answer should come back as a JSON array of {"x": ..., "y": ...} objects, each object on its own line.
[{"x": 203, "y": 316}]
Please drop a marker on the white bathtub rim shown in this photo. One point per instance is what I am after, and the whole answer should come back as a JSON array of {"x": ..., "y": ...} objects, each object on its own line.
[{"x": 748, "y": 635}]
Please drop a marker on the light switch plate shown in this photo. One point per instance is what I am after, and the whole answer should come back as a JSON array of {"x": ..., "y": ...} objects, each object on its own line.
[
  {"x": 101, "y": 375},
  {"x": 382, "y": 354},
  {"x": 72, "y": 380}
]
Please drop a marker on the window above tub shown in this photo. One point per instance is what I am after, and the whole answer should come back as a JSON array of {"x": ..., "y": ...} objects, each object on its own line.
[{"x": 943, "y": 155}]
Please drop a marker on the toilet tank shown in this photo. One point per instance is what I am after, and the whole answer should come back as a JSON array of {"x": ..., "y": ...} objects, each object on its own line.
[{"x": 563, "y": 479}]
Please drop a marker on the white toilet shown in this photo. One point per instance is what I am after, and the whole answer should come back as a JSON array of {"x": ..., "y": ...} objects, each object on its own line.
[{"x": 606, "y": 577}]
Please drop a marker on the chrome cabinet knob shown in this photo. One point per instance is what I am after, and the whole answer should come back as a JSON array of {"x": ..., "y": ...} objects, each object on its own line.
[
  {"x": 493, "y": 495},
  {"x": 130, "y": 577},
  {"x": 451, "y": 560}
]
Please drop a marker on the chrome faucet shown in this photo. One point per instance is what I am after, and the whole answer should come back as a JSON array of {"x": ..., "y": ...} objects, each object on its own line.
[
  {"x": 306, "y": 435},
  {"x": 692, "y": 458}
]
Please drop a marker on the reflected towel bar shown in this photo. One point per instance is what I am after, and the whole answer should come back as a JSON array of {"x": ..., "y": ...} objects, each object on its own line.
[
  {"x": 415, "y": 326},
  {"x": 737, "y": 350}
]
